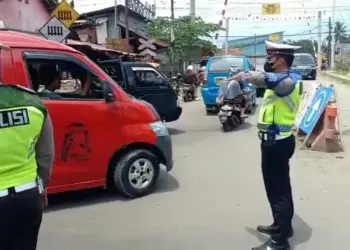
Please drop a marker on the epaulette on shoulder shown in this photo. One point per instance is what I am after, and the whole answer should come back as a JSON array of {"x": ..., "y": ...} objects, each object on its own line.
[{"x": 28, "y": 90}]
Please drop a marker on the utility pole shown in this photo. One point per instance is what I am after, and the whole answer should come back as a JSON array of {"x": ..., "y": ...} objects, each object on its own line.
[
  {"x": 193, "y": 9},
  {"x": 126, "y": 20},
  {"x": 154, "y": 8},
  {"x": 172, "y": 38},
  {"x": 319, "y": 52},
  {"x": 227, "y": 34},
  {"x": 255, "y": 50},
  {"x": 330, "y": 42},
  {"x": 116, "y": 19},
  {"x": 333, "y": 35}
]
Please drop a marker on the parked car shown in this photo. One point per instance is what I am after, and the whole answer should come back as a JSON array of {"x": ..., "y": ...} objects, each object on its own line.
[
  {"x": 102, "y": 139},
  {"x": 145, "y": 82},
  {"x": 305, "y": 65}
]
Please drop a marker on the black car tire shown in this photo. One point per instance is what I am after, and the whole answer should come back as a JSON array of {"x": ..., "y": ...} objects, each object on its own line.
[
  {"x": 121, "y": 170},
  {"x": 226, "y": 127}
]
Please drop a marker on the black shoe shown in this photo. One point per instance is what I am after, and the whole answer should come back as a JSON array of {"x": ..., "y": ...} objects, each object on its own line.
[
  {"x": 270, "y": 245},
  {"x": 272, "y": 230}
]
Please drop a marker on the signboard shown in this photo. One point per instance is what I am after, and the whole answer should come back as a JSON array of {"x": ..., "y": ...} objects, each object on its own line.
[
  {"x": 315, "y": 110},
  {"x": 141, "y": 9},
  {"x": 274, "y": 37},
  {"x": 147, "y": 47},
  {"x": 54, "y": 30},
  {"x": 65, "y": 13},
  {"x": 271, "y": 9}
]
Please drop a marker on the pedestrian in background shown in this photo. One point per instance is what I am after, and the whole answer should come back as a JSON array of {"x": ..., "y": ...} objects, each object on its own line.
[
  {"x": 27, "y": 153},
  {"x": 276, "y": 119}
]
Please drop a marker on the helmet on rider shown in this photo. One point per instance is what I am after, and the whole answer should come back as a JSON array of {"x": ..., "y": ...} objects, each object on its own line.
[
  {"x": 189, "y": 67},
  {"x": 233, "y": 70}
]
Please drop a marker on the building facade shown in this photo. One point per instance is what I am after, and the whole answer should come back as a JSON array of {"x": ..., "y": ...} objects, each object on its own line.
[
  {"x": 254, "y": 46},
  {"x": 26, "y": 15},
  {"x": 105, "y": 26}
]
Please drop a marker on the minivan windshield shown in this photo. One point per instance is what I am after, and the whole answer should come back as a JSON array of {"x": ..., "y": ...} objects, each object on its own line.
[
  {"x": 303, "y": 60},
  {"x": 222, "y": 64}
]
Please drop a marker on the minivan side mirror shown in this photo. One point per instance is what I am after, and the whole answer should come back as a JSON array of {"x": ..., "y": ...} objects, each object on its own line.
[{"x": 107, "y": 92}]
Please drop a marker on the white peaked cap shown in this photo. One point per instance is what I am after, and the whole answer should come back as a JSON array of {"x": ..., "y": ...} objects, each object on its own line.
[{"x": 280, "y": 46}]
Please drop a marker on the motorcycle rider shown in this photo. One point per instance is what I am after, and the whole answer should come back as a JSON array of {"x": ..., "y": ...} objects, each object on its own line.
[
  {"x": 201, "y": 75},
  {"x": 233, "y": 91},
  {"x": 191, "y": 79}
]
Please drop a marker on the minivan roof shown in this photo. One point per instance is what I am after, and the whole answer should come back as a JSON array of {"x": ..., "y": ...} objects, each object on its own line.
[
  {"x": 15, "y": 39},
  {"x": 227, "y": 56}
]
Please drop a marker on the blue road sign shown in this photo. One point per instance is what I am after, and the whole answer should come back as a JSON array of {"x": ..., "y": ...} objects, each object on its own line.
[{"x": 316, "y": 108}]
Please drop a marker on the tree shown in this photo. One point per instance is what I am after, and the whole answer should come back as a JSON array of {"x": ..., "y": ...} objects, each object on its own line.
[
  {"x": 189, "y": 35},
  {"x": 72, "y": 4},
  {"x": 340, "y": 32},
  {"x": 307, "y": 46}
]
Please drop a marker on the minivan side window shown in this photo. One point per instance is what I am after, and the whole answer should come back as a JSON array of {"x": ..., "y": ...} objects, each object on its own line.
[
  {"x": 147, "y": 77},
  {"x": 63, "y": 79},
  {"x": 115, "y": 72}
]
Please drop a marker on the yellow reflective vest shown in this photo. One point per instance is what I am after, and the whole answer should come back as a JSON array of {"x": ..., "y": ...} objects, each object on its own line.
[
  {"x": 22, "y": 115},
  {"x": 280, "y": 111}
]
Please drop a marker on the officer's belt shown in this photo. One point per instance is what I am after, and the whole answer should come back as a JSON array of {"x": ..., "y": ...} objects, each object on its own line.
[
  {"x": 286, "y": 99},
  {"x": 19, "y": 188},
  {"x": 281, "y": 128}
]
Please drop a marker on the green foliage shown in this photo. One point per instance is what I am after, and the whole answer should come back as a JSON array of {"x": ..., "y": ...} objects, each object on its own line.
[
  {"x": 306, "y": 46},
  {"x": 189, "y": 34},
  {"x": 342, "y": 68}
]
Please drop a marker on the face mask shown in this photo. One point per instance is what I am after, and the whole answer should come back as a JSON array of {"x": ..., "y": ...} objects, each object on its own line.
[{"x": 268, "y": 67}]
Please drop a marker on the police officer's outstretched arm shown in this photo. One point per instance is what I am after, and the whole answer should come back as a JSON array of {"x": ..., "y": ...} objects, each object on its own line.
[
  {"x": 44, "y": 150},
  {"x": 282, "y": 84}
]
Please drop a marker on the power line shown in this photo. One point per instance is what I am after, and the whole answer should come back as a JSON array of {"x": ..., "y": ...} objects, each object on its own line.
[{"x": 289, "y": 35}]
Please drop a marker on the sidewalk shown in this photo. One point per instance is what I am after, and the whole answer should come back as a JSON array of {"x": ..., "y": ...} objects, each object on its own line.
[
  {"x": 335, "y": 76},
  {"x": 321, "y": 185}
]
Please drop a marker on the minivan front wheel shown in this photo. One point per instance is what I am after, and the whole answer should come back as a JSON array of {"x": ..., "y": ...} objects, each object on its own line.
[{"x": 136, "y": 173}]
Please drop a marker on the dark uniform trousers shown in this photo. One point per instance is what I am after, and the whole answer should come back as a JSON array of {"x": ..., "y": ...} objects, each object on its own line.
[
  {"x": 20, "y": 219},
  {"x": 275, "y": 170}
]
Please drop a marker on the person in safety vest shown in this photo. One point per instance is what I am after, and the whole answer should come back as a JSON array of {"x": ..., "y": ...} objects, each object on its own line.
[
  {"x": 27, "y": 153},
  {"x": 276, "y": 119}
]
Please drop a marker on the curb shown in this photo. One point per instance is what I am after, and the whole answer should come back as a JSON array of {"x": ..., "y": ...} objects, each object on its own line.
[{"x": 339, "y": 78}]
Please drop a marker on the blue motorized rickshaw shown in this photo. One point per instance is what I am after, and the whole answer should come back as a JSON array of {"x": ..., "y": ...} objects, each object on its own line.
[{"x": 216, "y": 71}]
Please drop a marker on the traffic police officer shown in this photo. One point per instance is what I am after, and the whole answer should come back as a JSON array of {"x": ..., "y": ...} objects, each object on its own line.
[
  {"x": 27, "y": 153},
  {"x": 276, "y": 119}
]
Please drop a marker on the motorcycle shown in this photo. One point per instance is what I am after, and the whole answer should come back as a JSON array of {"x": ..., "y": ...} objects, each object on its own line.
[
  {"x": 174, "y": 82},
  {"x": 230, "y": 115},
  {"x": 188, "y": 93}
]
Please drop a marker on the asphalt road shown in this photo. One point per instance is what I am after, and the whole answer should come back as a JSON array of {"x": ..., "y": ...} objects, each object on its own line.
[{"x": 213, "y": 199}]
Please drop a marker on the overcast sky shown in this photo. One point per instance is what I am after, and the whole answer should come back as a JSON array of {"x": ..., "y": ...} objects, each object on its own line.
[{"x": 210, "y": 10}]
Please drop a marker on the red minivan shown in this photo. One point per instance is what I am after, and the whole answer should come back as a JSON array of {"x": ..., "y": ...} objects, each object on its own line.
[{"x": 103, "y": 137}]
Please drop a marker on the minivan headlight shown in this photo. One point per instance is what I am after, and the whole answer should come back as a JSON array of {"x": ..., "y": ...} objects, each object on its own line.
[{"x": 159, "y": 128}]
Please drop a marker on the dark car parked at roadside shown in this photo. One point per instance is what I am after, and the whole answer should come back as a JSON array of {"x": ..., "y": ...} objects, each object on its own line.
[{"x": 305, "y": 65}]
